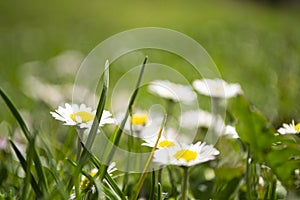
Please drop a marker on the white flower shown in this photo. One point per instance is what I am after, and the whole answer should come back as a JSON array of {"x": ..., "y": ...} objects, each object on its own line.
[
  {"x": 196, "y": 118},
  {"x": 144, "y": 124},
  {"x": 81, "y": 116},
  {"x": 231, "y": 131},
  {"x": 200, "y": 118},
  {"x": 172, "y": 91},
  {"x": 168, "y": 139},
  {"x": 111, "y": 168},
  {"x": 289, "y": 128},
  {"x": 217, "y": 88},
  {"x": 185, "y": 155}
]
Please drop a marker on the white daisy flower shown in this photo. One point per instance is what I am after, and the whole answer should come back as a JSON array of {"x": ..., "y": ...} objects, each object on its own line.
[
  {"x": 172, "y": 91},
  {"x": 289, "y": 128},
  {"x": 81, "y": 116},
  {"x": 231, "y": 131},
  {"x": 196, "y": 118},
  {"x": 167, "y": 139},
  {"x": 200, "y": 118},
  {"x": 144, "y": 124},
  {"x": 185, "y": 155},
  {"x": 217, "y": 88}
]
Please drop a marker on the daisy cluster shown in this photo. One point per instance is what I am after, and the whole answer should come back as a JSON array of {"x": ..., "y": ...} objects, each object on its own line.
[{"x": 171, "y": 148}]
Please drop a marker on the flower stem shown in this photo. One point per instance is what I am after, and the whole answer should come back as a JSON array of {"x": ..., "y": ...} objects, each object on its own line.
[
  {"x": 144, "y": 173},
  {"x": 80, "y": 135},
  {"x": 248, "y": 174},
  {"x": 212, "y": 135},
  {"x": 119, "y": 130},
  {"x": 184, "y": 183}
]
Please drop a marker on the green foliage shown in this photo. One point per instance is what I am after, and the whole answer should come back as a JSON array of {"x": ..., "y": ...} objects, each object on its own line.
[{"x": 279, "y": 152}]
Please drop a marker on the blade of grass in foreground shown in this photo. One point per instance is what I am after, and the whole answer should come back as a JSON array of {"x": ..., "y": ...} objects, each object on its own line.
[
  {"x": 28, "y": 168},
  {"x": 92, "y": 134},
  {"x": 16, "y": 114},
  {"x": 20, "y": 120},
  {"x": 100, "y": 108},
  {"x": 23, "y": 162},
  {"x": 144, "y": 173},
  {"x": 107, "y": 177},
  {"x": 118, "y": 132}
]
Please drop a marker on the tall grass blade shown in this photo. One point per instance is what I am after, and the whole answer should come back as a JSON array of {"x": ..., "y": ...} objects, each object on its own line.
[
  {"x": 107, "y": 177},
  {"x": 94, "y": 128},
  {"x": 16, "y": 114},
  {"x": 23, "y": 162},
  {"x": 143, "y": 176},
  {"x": 28, "y": 170},
  {"x": 100, "y": 108},
  {"x": 27, "y": 134},
  {"x": 118, "y": 132}
]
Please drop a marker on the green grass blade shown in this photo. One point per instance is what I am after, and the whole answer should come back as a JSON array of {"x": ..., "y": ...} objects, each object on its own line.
[
  {"x": 58, "y": 192},
  {"x": 23, "y": 162},
  {"x": 28, "y": 170},
  {"x": 159, "y": 192},
  {"x": 118, "y": 132},
  {"x": 39, "y": 169},
  {"x": 94, "y": 128},
  {"x": 27, "y": 134},
  {"x": 114, "y": 186},
  {"x": 107, "y": 177},
  {"x": 100, "y": 108},
  {"x": 144, "y": 173},
  {"x": 16, "y": 114},
  {"x": 153, "y": 183}
]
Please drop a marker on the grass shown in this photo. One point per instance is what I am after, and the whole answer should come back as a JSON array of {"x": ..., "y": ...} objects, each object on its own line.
[{"x": 255, "y": 45}]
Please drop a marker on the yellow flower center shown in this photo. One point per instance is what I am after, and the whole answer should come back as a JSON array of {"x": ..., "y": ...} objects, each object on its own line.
[
  {"x": 297, "y": 127},
  {"x": 85, "y": 116},
  {"x": 139, "y": 119},
  {"x": 185, "y": 154},
  {"x": 217, "y": 88},
  {"x": 85, "y": 182},
  {"x": 166, "y": 144}
]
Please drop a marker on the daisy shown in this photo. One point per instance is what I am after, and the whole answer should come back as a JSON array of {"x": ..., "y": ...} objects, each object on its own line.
[
  {"x": 289, "y": 128},
  {"x": 172, "y": 91},
  {"x": 217, "y": 88},
  {"x": 231, "y": 131},
  {"x": 144, "y": 124},
  {"x": 185, "y": 155},
  {"x": 196, "y": 118},
  {"x": 85, "y": 181},
  {"x": 166, "y": 140},
  {"x": 200, "y": 118},
  {"x": 139, "y": 119},
  {"x": 80, "y": 116}
]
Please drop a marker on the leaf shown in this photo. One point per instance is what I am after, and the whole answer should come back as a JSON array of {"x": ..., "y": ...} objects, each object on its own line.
[
  {"x": 118, "y": 131},
  {"x": 28, "y": 136},
  {"x": 23, "y": 162},
  {"x": 252, "y": 127},
  {"x": 16, "y": 114}
]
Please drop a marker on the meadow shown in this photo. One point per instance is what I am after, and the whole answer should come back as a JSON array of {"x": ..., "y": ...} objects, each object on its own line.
[{"x": 43, "y": 47}]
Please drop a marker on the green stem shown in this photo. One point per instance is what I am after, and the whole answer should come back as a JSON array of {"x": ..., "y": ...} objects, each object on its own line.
[
  {"x": 212, "y": 135},
  {"x": 184, "y": 183},
  {"x": 248, "y": 177},
  {"x": 80, "y": 135},
  {"x": 170, "y": 170},
  {"x": 169, "y": 109},
  {"x": 144, "y": 173},
  {"x": 118, "y": 132},
  {"x": 159, "y": 174}
]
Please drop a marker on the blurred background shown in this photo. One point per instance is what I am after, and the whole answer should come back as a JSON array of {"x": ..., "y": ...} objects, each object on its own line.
[{"x": 254, "y": 43}]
